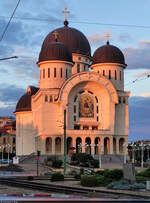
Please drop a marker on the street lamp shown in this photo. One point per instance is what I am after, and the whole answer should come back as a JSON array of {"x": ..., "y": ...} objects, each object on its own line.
[
  {"x": 8, "y": 146},
  {"x": 142, "y": 153}
]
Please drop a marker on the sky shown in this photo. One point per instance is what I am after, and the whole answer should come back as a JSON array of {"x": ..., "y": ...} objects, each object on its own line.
[{"x": 127, "y": 23}]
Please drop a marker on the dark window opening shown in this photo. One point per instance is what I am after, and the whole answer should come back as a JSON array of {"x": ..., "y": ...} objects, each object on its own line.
[
  {"x": 81, "y": 91},
  {"x": 94, "y": 127},
  {"x": 76, "y": 127},
  {"x": 66, "y": 73},
  {"x": 120, "y": 100},
  {"x": 46, "y": 98},
  {"x": 4, "y": 140},
  {"x": 96, "y": 99},
  {"x": 109, "y": 74},
  {"x": 75, "y": 98},
  {"x": 61, "y": 72},
  {"x": 74, "y": 109},
  {"x": 54, "y": 72},
  {"x": 51, "y": 99},
  {"x": 74, "y": 118},
  {"x": 124, "y": 100},
  {"x": 48, "y": 72},
  {"x": 90, "y": 92},
  {"x": 43, "y": 73},
  {"x": 115, "y": 75},
  {"x": 84, "y": 67},
  {"x": 14, "y": 140},
  {"x": 78, "y": 68},
  {"x": 103, "y": 72},
  {"x": 79, "y": 58},
  {"x": 97, "y": 109},
  {"x": 97, "y": 118},
  {"x": 85, "y": 127}
]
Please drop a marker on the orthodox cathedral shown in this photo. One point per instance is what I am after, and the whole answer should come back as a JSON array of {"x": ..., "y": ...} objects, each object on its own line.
[{"x": 82, "y": 93}]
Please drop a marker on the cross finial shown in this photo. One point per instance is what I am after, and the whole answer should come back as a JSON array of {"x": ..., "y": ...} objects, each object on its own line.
[
  {"x": 55, "y": 33},
  {"x": 66, "y": 12},
  {"x": 108, "y": 36}
]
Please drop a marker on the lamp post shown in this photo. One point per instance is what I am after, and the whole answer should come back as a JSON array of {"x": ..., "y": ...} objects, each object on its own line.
[
  {"x": 125, "y": 158},
  {"x": 100, "y": 157},
  {"x": 142, "y": 153},
  {"x": 65, "y": 147},
  {"x": 8, "y": 146}
]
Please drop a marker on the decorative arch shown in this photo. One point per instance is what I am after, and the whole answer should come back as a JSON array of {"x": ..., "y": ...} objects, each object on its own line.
[
  {"x": 106, "y": 145},
  {"x": 48, "y": 145},
  {"x": 121, "y": 145},
  {"x": 58, "y": 145},
  {"x": 78, "y": 145},
  {"x": 88, "y": 145},
  {"x": 84, "y": 77}
]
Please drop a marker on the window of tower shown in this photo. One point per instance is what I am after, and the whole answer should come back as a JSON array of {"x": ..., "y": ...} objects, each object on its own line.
[
  {"x": 109, "y": 74},
  {"x": 97, "y": 110},
  {"x": 74, "y": 118},
  {"x": 120, "y": 76},
  {"x": 66, "y": 73},
  {"x": 50, "y": 99},
  {"x": 79, "y": 58},
  {"x": 54, "y": 72},
  {"x": 74, "y": 108},
  {"x": 97, "y": 118},
  {"x": 84, "y": 67},
  {"x": 48, "y": 72},
  {"x": 61, "y": 72},
  {"x": 78, "y": 68},
  {"x": 76, "y": 127},
  {"x": 46, "y": 98},
  {"x": 96, "y": 99},
  {"x": 103, "y": 72},
  {"x": 115, "y": 75},
  {"x": 43, "y": 73}
]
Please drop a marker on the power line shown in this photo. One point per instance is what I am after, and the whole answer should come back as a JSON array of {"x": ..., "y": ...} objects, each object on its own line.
[
  {"x": 137, "y": 80},
  {"x": 84, "y": 22},
  {"x": 9, "y": 21}
]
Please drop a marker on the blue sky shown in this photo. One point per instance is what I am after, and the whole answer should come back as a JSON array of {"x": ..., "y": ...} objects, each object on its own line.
[{"x": 24, "y": 38}]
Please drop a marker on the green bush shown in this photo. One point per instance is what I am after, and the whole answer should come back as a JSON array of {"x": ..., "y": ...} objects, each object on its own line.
[
  {"x": 57, "y": 176},
  {"x": 89, "y": 181},
  {"x": 100, "y": 172},
  {"x": 141, "y": 179},
  {"x": 94, "y": 163},
  {"x": 101, "y": 180},
  {"x": 81, "y": 171},
  {"x": 57, "y": 163},
  {"x": 73, "y": 172},
  {"x": 115, "y": 174},
  {"x": 145, "y": 173}
]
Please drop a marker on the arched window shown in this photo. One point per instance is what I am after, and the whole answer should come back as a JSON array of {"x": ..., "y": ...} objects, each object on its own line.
[
  {"x": 54, "y": 72},
  {"x": 43, "y": 73},
  {"x": 46, "y": 98},
  {"x": 115, "y": 75},
  {"x": 61, "y": 72},
  {"x": 51, "y": 99},
  {"x": 103, "y": 72},
  {"x": 78, "y": 68},
  {"x": 66, "y": 73},
  {"x": 48, "y": 72},
  {"x": 109, "y": 74}
]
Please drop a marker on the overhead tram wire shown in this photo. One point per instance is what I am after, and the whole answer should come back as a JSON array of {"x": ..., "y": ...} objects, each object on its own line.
[
  {"x": 1, "y": 38},
  {"x": 84, "y": 22},
  {"x": 137, "y": 80}
]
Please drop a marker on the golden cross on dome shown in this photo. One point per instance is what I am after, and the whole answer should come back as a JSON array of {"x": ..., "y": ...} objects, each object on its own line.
[
  {"x": 66, "y": 12},
  {"x": 55, "y": 33}
]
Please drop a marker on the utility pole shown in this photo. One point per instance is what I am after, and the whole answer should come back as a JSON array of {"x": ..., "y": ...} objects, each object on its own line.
[{"x": 65, "y": 147}]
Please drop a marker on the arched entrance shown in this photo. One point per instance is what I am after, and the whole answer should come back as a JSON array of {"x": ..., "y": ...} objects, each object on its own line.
[
  {"x": 78, "y": 145},
  {"x": 69, "y": 145},
  {"x": 88, "y": 145},
  {"x": 121, "y": 145},
  {"x": 58, "y": 145},
  {"x": 97, "y": 146},
  {"x": 48, "y": 145},
  {"x": 106, "y": 145},
  {"x": 114, "y": 145}
]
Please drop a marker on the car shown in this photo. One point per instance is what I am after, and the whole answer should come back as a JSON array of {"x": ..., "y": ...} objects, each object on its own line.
[{"x": 5, "y": 161}]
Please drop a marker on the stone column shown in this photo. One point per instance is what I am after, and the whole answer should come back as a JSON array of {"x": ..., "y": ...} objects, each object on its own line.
[
  {"x": 111, "y": 145},
  {"x": 53, "y": 145},
  {"x": 83, "y": 145},
  {"x": 62, "y": 145},
  {"x": 74, "y": 142},
  {"x": 102, "y": 145},
  {"x": 92, "y": 147},
  {"x": 117, "y": 145}
]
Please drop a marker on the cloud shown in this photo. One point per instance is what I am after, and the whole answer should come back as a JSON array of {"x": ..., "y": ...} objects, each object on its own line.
[
  {"x": 138, "y": 57},
  {"x": 139, "y": 117},
  {"x": 10, "y": 94},
  {"x": 98, "y": 39},
  {"x": 124, "y": 37}
]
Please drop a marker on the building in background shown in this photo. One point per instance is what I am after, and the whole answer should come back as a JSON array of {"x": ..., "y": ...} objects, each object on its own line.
[
  {"x": 90, "y": 89},
  {"x": 7, "y": 134}
]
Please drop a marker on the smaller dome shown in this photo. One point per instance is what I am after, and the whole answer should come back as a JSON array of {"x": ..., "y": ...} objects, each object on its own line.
[
  {"x": 108, "y": 54},
  {"x": 24, "y": 103},
  {"x": 55, "y": 51}
]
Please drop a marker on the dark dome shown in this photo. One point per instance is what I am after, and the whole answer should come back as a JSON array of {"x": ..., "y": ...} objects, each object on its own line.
[
  {"x": 55, "y": 51},
  {"x": 74, "y": 39},
  {"x": 24, "y": 103},
  {"x": 108, "y": 54}
]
